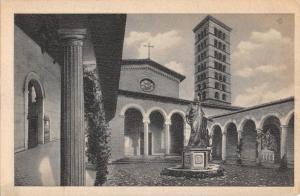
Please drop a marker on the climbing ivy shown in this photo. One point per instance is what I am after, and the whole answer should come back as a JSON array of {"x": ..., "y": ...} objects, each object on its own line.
[{"x": 98, "y": 150}]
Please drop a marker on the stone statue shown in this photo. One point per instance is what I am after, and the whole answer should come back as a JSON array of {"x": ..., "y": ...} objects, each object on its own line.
[{"x": 195, "y": 118}]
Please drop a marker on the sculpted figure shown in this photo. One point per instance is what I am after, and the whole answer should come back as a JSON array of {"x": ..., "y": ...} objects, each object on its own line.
[{"x": 198, "y": 122}]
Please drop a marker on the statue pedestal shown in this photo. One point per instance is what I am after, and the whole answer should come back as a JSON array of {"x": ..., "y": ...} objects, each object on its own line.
[{"x": 195, "y": 158}]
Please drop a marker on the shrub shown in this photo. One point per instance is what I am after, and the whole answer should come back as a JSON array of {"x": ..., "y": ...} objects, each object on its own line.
[{"x": 97, "y": 151}]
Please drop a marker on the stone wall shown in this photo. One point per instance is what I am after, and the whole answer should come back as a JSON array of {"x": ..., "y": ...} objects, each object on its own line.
[
  {"x": 28, "y": 58},
  {"x": 132, "y": 75}
]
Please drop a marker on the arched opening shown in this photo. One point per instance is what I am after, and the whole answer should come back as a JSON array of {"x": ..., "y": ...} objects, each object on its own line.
[
  {"x": 133, "y": 133},
  {"x": 35, "y": 114},
  {"x": 271, "y": 138},
  {"x": 217, "y": 143},
  {"x": 232, "y": 142},
  {"x": 249, "y": 146},
  {"x": 156, "y": 137},
  {"x": 290, "y": 142},
  {"x": 176, "y": 134}
]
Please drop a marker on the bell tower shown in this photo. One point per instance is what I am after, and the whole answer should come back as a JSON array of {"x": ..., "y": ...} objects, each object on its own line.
[{"x": 212, "y": 61}]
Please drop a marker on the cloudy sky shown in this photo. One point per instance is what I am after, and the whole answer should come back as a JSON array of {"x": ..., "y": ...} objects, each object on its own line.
[{"x": 262, "y": 64}]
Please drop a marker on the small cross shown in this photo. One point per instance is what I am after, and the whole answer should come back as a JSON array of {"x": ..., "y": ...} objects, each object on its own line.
[{"x": 149, "y": 46}]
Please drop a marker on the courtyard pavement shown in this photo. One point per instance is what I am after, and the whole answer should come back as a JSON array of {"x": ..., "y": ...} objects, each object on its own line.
[
  {"x": 148, "y": 174},
  {"x": 41, "y": 166}
]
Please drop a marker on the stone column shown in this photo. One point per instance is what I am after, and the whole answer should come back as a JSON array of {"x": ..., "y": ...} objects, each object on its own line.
[
  {"x": 72, "y": 109},
  {"x": 239, "y": 132},
  {"x": 283, "y": 145},
  {"x": 146, "y": 132},
  {"x": 259, "y": 146},
  {"x": 224, "y": 141},
  {"x": 239, "y": 146},
  {"x": 167, "y": 136}
]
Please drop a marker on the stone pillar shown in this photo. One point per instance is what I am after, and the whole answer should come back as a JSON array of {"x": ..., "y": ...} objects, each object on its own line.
[
  {"x": 239, "y": 146},
  {"x": 239, "y": 132},
  {"x": 259, "y": 145},
  {"x": 224, "y": 141},
  {"x": 72, "y": 109},
  {"x": 167, "y": 136},
  {"x": 283, "y": 145},
  {"x": 146, "y": 132}
]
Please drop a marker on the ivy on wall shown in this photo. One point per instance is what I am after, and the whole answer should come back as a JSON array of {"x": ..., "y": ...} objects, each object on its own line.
[{"x": 98, "y": 150}]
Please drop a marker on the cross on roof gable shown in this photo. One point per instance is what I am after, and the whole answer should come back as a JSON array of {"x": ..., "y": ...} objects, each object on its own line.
[{"x": 153, "y": 64}]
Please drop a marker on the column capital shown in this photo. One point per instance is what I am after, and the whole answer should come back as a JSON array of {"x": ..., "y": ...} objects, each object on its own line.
[
  {"x": 259, "y": 130},
  {"x": 72, "y": 33},
  {"x": 146, "y": 121},
  {"x": 224, "y": 133},
  {"x": 284, "y": 126},
  {"x": 168, "y": 122},
  {"x": 240, "y": 131},
  {"x": 72, "y": 36}
]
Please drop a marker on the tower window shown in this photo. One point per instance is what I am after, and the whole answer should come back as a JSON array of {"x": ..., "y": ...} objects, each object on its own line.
[
  {"x": 216, "y": 85},
  {"x": 216, "y": 95},
  {"x": 223, "y": 87},
  {"x": 220, "y": 77},
  {"x": 224, "y": 58},
  {"x": 224, "y": 97},
  {"x": 204, "y": 95},
  {"x": 216, "y": 75},
  {"x": 204, "y": 85},
  {"x": 224, "y": 78}
]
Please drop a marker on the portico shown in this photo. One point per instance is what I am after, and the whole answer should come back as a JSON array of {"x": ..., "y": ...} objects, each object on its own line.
[{"x": 262, "y": 134}]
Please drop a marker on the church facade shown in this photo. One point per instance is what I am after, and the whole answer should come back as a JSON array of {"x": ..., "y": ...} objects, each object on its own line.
[{"x": 150, "y": 116}]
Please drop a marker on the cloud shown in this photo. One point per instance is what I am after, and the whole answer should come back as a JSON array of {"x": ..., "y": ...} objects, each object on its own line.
[
  {"x": 136, "y": 37},
  {"x": 262, "y": 94},
  {"x": 162, "y": 42},
  {"x": 174, "y": 65},
  {"x": 263, "y": 48},
  {"x": 262, "y": 69}
]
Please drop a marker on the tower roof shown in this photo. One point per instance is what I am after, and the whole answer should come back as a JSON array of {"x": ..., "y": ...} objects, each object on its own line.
[
  {"x": 209, "y": 17},
  {"x": 153, "y": 64}
]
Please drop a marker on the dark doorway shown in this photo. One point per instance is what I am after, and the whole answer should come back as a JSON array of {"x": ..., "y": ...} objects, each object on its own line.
[
  {"x": 142, "y": 143},
  {"x": 176, "y": 134},
  {"x": 35, "y": 114},
  {"x": 150, "y": 143}
]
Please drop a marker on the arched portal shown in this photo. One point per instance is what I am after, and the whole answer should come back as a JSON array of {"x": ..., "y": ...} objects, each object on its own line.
[
  {"x": 217, "y": 143},
  {"x": 290, "y": 142},
  {"x": 271, "y": 137},
  {"x": 232, "y": 142},
  {"x": 176, "y": 134},
  {"x": 133, "y": 133},
  {"x": 248, "y": 141},
  {"x": 35, "y": 114},
  {"x": 156, "y": 143}
]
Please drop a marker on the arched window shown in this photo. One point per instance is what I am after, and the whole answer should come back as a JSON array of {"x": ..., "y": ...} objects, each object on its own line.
[
  {"x": 224, "y": 97},
  {"x": 216, "y": 95},
  {"x": 203, "y": 95},
  {"x": 223, "y": 87},
  {"x": 216, "y": 85}
]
